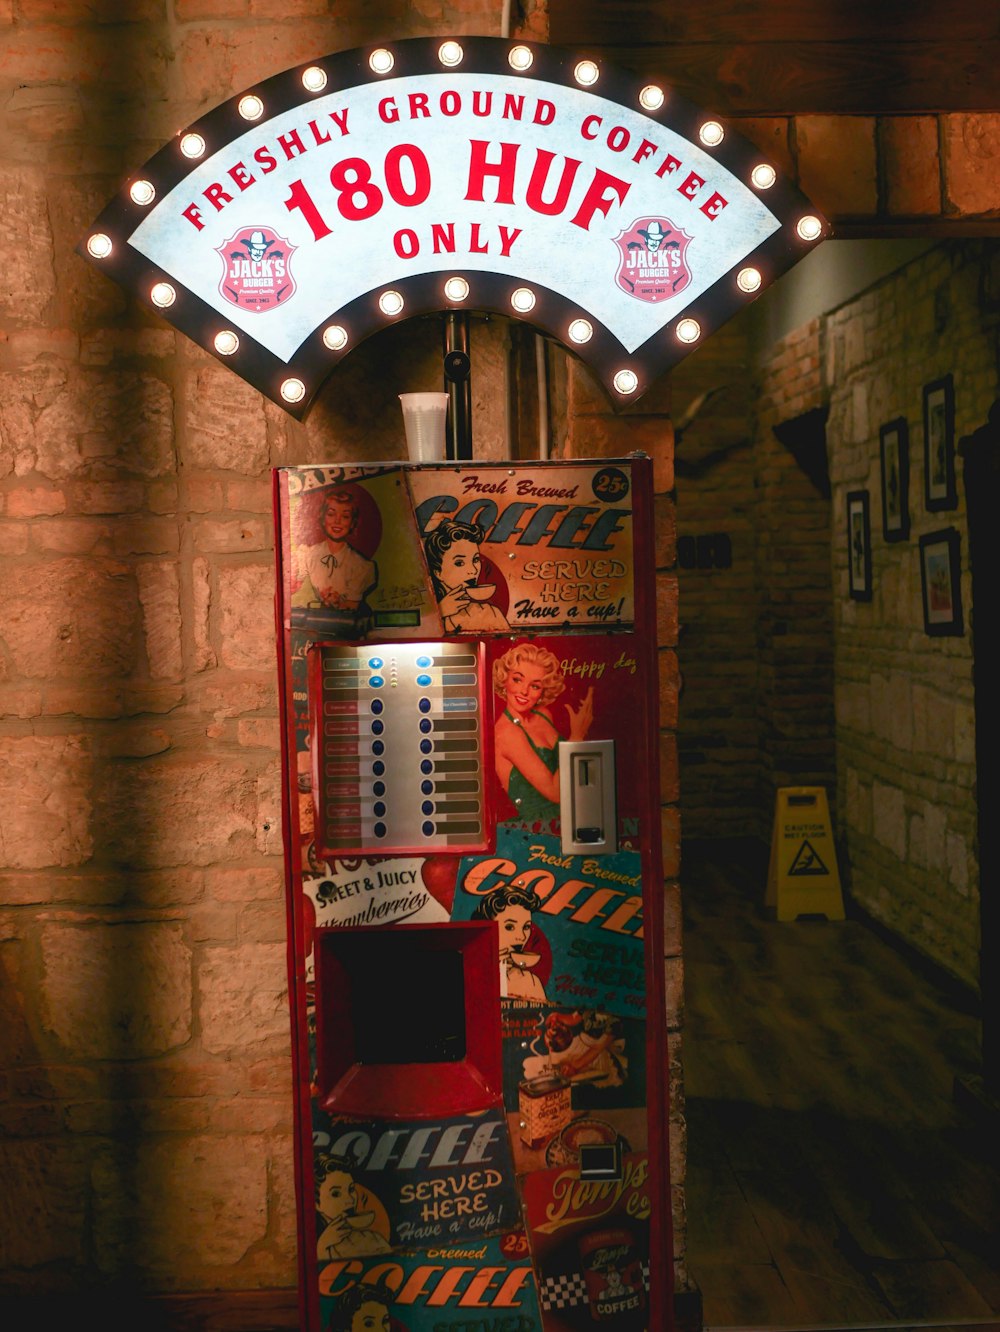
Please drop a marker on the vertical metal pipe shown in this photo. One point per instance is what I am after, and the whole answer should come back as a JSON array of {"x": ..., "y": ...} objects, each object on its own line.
[{"x": 458, "y": 384}]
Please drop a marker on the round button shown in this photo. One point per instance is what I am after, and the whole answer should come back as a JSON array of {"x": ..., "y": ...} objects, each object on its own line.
[
  {"x": 377, "y": 705},
  {"x": 428, "y": 829},
  {"x": 378, "y": 768},
  {"x": 427, "y": 787},
  {"x": 427, "y": 807},
  {"x": 376, "y": 682},
  {"x": 379, "y": 808},
  {"x": 425, "y": 724},
  {"x": 423, "y": 681},
  {"x": 378, "y": 727},
  {"x": 378, "y": 788},
  {"x": 378, "y": 746},
  {"x": 426, "y": 766},
  {"x": 375, "y": 663},
  {"x": 424, "y": 705},
  {"x": 424, "y": 661},
  {"x": 425, "y": 746},
  {"x": 380, "y": 830}
]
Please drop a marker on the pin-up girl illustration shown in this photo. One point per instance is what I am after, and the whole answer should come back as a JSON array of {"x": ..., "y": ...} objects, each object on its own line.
[
  {"x": 453, "y": 557},
  {"x": 529, "y": 678},
  {"x": 364, "y": 1308},
  {"x": 331, "y": 570},
  {"x": 511, "y": 908},
  {"x": 347, "y": 1232}
]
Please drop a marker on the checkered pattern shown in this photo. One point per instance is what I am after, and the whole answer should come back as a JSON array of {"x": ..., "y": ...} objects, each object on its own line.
[
  {"x": 563, "y": 1292},
  {"x": 569, "y": 1289}
]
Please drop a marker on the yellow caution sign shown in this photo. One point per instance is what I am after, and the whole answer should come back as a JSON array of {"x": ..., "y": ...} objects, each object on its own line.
[{"x": 802, "y": 877}]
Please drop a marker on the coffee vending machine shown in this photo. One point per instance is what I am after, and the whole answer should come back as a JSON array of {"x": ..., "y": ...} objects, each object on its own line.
[{"x": 469, "y": 700}]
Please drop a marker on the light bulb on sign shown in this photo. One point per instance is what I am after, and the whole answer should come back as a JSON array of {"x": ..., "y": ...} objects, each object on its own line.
[
  {"x": 456, "y": 289},
  {"x": 651, "y": 98},
  {"x": 749, "y": 279},
  {"x": 763, "y": 176},
  {"x": 335, "y": 337},
  {"x": 193, "y": 145},
  {"x": 809, "y": 228},
  {"x": 226, "y": 342},
  {"x": 142, "y": 192},
  {"x": 711, "y": 134},
  {"x": 450, "y": 54},
  {"x": 688, "y": 330},
  {"x": 162, "y": 294},
  {"x": 586, "y": 73},
  {"x": 580, "y": 330},
  {"x": 250, "y": 107},
  {"x": 523, "y": 300},
  {"x": 381, "y": 61},
  {"x": 314, "y": 79},
  {"x": 520, "y": 58},
  {"x": 626, "y": 381},
  {"x": 99, "y": 245},
  {"x": 293, "y": 390},
  {"x": 390, "y": 303}
]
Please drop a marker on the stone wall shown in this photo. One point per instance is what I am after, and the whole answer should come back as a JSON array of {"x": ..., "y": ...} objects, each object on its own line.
[{"x": 145, "y": 1073}]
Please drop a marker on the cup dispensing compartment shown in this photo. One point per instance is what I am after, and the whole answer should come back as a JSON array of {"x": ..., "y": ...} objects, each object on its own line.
[{"x": 408, "y": 1020}]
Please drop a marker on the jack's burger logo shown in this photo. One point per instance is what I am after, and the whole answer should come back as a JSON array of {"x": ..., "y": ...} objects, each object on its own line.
[
  {"x": 653, "y": 263},
  {"x": 257, "y": 272}
]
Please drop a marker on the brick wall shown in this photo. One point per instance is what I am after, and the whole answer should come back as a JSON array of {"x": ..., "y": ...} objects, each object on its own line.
[
  {"x": 849, "y": 695},
  {"x": 905, "y": 713}
]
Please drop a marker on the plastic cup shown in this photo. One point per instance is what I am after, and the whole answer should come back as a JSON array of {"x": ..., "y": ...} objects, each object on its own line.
[{"x": 424, "y": 420}]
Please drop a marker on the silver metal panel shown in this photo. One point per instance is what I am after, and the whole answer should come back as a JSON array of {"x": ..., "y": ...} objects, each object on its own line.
[
  {"x": 401, "y": 747},
  {"x": 587, "y": 804}
]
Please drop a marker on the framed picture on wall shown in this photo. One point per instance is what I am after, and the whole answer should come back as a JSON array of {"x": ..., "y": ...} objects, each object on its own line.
[
  {"x": 894, "y": 446},
  {"x": 859, "y": 546},
  {"x": 941, "y": 580},
  {"x": 939, "y": 445}
]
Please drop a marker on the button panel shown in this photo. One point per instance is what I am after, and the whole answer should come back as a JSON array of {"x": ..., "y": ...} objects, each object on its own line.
[{"x": 398, "y": 732}]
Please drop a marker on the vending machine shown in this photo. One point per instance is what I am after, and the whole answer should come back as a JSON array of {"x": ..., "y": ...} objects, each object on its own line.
[{"x": 468, "y": 674}]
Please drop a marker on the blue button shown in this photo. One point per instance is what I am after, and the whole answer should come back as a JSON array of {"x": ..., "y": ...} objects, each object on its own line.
[
  {"x": 427, "y": 807},
  {"x": 423, "y": 681},
  {"x": 428, "y": 829},
  {"x": 378, "y": 746},
  {"x": 380, "y": 830},
  {"x": 379, "y": 808},
  {"x": 378, "y": 767},
  {"x": 425, "y": 724},
  {"x": 425, "y": 746},
  {"x": 378, "y": 727},
  {"x": 377, "y": 705},
  {"x": 426, "y": 766},
  {"x": 375, "y": 663},
  {"x": 378, "y": 788},
  {"x": 424, "y": 705},
  {"x": 424, "y": 661},
  {"x": 427, "y": 787},
  {"x": 376, "y": 682}
]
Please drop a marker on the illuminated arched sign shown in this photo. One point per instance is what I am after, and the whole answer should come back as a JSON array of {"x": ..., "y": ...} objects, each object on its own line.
[{"x": 297, "y": 218}]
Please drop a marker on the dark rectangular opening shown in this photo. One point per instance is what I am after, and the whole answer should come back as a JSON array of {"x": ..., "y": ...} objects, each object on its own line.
[{"x": 410, "y": 1008}]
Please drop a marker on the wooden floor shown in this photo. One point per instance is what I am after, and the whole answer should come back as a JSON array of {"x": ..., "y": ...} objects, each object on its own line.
[{"x": 832, "y": 1182}]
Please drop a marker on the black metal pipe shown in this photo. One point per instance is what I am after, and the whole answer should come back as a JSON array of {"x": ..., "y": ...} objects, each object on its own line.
[{"x": 457, "y": 382}]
